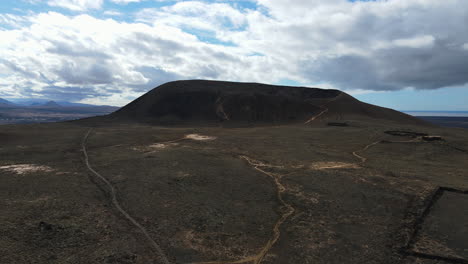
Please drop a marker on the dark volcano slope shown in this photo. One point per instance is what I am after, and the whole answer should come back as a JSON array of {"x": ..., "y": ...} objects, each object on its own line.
[
  {"x": 204, "y": 102},
  {"x": 348, "y": 107}
]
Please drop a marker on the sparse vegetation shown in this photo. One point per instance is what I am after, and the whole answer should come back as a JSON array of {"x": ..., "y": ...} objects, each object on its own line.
[{"x": 283, "y": 193}]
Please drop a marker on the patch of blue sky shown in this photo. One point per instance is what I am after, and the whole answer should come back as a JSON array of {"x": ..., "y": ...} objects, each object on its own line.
[
  {"x": 134, "y": 7},
  {"x": 128, "y": 11},
  {"x": 438, "y": 113},
  {"x": 229, "y": 25},
  {"x": 207, "y": 36},
  {"x": 289, "y": 82},
  {"x": 448, "y": 99},
  {"x": 14, "y": 7},
  {"x": 24, "y": 8},
  {"x": 256, "y": 54},
  {"x": 241, "y": 5}
]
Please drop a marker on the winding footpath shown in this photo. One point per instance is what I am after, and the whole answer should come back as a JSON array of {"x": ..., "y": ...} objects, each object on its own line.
[
  {"x": 364, "y": 159},
  {"x": 325, "y": 109},
  {"x": 220, "y": 110},
  {"x": 316, "y": 116},
  {"x": 113, "y": 194},
  {"x": 287, "y": 211}
]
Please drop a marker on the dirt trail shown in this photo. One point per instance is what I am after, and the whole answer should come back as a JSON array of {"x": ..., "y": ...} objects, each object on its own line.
[
  {"x": 160, "y": 254},
  {"x": 287, "y": 211},
  {"x": 364, "y": 159},
  {"x": 220, "y": 110},
  {"x": 316, "y": 116},
  {"x": 324, "y": 165},
  {"x": 325, "y": 109}
]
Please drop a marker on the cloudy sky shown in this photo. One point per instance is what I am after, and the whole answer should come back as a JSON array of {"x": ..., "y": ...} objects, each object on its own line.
[{"x": 405, "y": 54}]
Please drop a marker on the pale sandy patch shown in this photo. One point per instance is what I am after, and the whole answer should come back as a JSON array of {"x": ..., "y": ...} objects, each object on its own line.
[
  {"x": 25, "y": 168},
  {"x": 181, "y": 174},
  {"x": 325, "y": 165},
  {"x": 154, "y": 147},
  {"x": 199, "y": 137},
  {"x": 300, "y": 166},
  {"x": 162, "y": 145}
]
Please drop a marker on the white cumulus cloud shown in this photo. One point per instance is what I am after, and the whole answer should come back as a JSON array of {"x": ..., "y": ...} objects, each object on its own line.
[
  {"x": 76, "y": 5},
  {"x": 362, "y": 45}
]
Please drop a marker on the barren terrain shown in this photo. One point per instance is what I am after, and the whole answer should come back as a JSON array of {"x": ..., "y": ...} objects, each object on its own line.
[
  {"x": 287, "y": 194},
  {"x": 372, "y": 191}
]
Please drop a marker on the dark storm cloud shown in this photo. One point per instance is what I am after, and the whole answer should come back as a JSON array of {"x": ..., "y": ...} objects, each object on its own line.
[
  {"x": 394, "y": 68},
  {"x": 75, "y": 49},
  {"x": 82, "y": 74},
  {"x": 347, "y": 72},
  {"x": 147, "y": 44},
  {"x": 372, "y": 45},
  {"x": 368, "y": 45},
  {"x": 436, "y": 67}
]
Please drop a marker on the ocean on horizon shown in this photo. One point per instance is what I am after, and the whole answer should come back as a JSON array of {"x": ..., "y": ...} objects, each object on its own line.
[{"x": 438, "y": 113}]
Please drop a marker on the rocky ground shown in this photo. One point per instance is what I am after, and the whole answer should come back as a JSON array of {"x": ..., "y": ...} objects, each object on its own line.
[{"x": 312, "y": 193}]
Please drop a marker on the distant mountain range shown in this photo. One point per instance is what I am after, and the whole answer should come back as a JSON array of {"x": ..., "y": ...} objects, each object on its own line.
[
  {"x": 41, "y": 102},
  {"x": 4, "y": 102},
  {"x": 40, "y": 110}
]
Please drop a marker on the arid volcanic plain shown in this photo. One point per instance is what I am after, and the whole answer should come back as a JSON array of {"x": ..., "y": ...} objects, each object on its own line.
[{"x": 208, "y": 172}]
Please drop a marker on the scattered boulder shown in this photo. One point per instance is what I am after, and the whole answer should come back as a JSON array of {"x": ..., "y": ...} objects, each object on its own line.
[
  {"x": 339, "y": 124},
  {"x": 121, "y": 258},
  {"x": 432, "y": 138},
  {"x": 401, "y": 133},
  {"x": 45, "y": 227}
]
